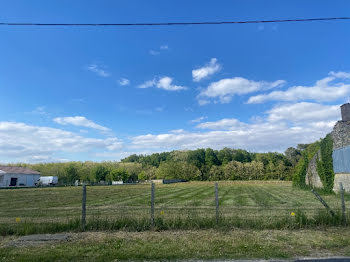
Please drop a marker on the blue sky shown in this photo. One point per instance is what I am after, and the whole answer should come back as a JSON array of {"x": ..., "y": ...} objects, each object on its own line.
[{"x": 104, "y": 93}]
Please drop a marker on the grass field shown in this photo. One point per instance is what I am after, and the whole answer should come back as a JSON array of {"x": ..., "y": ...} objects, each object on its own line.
[
  {"x": 179, "y": 205},
  {"x": 178, "y": 245}
]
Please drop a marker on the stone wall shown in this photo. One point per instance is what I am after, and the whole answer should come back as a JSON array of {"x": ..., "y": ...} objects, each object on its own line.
[
  {"x": 312, "y": 178},
  {"x": 341, "y": 156},
  {"x": 344, "y": 179},
  {"x": 341, "y": 134}
]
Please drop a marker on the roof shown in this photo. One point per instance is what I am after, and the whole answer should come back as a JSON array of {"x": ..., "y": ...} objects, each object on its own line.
[{"x": 18, "y": 170}]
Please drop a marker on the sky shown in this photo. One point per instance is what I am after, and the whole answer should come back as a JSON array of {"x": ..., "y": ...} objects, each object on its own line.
[{"x": 103, "y": 93}]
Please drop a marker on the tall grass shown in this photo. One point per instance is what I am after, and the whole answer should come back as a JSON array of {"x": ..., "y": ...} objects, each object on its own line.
[{"x": 295, "y": 221}]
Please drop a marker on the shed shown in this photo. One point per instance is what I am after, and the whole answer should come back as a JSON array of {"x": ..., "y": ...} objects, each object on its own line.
[{"x": 14, "y": 176}]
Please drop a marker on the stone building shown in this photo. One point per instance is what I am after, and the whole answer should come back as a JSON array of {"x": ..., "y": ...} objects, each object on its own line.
[
  {"x": 341, "y": 150},
  {"x": 340, "y": 155}
]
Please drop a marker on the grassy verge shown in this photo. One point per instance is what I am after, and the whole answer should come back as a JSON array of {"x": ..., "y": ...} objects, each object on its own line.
[
  {"x": 299, "y": 220},
  {"x": 199, "y": 244}
]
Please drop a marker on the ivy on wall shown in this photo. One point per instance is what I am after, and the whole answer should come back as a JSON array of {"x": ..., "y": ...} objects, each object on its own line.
[{"x": 325, "y": 166}]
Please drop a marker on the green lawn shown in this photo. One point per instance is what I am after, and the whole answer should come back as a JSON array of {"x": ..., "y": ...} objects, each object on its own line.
[{"x": 264, "y": 200}]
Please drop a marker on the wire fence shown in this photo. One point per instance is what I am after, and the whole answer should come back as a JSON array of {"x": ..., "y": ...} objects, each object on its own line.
[{"x": 265, "y": 202}]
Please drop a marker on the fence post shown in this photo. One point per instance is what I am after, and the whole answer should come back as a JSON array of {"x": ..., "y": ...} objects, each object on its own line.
[
  {"x": 342, "y": 202},
  {"x": 323, "y": 202},
  {"x": 152, "y": 203},
  {"x": 217, "y": 202},
  {"x": 83, "y": 209}
]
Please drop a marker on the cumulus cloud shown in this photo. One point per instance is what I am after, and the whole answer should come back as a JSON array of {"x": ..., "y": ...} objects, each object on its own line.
[
  {"x": 204, "y": 72},
  {"x": 80, "y": 121},
  {"x": 256, "y": 137},
  {"x": 27, "y": 143},
  {"x": 124, "y": 81},
  {"x": 164, "y": 82},
  {"x": 304, "y": 112},
  {"x": 98, "y": 70},
  {"x": 225, "y": 89},
  {"x": 324, "y": 90},
  {"x": 281, "y": 127}
]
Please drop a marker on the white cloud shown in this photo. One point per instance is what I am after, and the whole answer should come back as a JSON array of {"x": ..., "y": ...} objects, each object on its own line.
[
  {"x": 162, "y": 83},
  {"x": 147, "y": 84},
  {"x": 282, "y": 126},
  {"x": 343, "y": 75},
  {"x": 80, "y": 121},
  {"x": 164, "y": 47},
  {"x": 225, "y": 89},
  {"x": 124, "y": 81},
  {"x": 166, "y": 84},
  {"x": 304, "y": 112},
  {"x": 27, "y": 143},
  {"x": 254, "y": 137},
  {"x": 197, "y": 120},
  {"x": 209, "y": 69},
  {"x": 203, "y": 102},
  {"x": 324, "y": 90},
  {"x": 223, "y": 124},
  {"x": 98, "y": 70}
]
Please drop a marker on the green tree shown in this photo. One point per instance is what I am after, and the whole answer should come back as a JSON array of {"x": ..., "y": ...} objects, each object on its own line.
[
  {"x": 101, "y": 172},
  {"x": 118, "y": 174},
  {"x": 211, "y": 158},
  {"x": 71, "y": 173},
  {"x": 216, "y": 173}
]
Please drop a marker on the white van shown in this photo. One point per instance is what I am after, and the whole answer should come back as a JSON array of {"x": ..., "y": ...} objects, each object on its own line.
[{"x": 48, "y": 180}]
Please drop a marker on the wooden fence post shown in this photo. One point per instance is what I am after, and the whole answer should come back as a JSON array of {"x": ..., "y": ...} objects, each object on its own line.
[
  {"x": 83, "y": 209},
  {"x": 342, "y": 202},
  {"x": 152, "y": 203},
  {"x": 323, "y": 202},
  {"x": 217, "y": 202}
]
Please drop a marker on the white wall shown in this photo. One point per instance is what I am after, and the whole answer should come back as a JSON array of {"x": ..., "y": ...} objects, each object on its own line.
[{"x": 22, "y": 180}]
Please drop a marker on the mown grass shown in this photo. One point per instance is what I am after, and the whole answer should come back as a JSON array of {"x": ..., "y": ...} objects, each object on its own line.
[
  {"x": 177, "y": 245},
  {"x": 252, "y": 204}
]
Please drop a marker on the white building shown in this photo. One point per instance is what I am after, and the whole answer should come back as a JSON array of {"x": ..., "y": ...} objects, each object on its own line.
[{"x": 13, "y": 176}]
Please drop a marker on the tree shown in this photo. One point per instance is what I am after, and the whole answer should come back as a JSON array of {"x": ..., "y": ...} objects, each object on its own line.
[
  {"x": 241, "y": 156},
  {"x": 71, "y": 173},
  {"x": 177, "y": 170},
  {"x": 225, "y": 155},
  {"x": 118, "y": 174},
  {"x": 216, "y": 173},
  {"x": 211, "y": 158},
  {"x": 101, "y": 172}
]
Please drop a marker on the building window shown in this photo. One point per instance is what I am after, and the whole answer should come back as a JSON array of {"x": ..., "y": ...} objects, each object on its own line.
[{"x": 2, "y": 179}]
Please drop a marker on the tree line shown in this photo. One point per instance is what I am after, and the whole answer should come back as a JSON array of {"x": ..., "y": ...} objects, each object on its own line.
[{"x": 200, "y": 164}]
